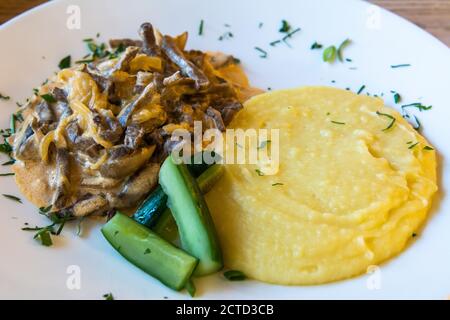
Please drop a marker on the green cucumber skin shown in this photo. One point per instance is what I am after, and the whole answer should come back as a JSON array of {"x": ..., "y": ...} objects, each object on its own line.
[
  {"x": 150, "y": 211},
  {"x": 165, "y": 226},
  {"x": 152, "y": 208},
  {"x": 146, "y": 250},
  {"x": 197, "y": 233},
  {"x": 209, "y": 178}
]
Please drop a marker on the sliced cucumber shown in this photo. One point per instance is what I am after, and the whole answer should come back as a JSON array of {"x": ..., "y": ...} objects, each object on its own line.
[
  {"x": 209, "y": 178},
  {"x": 146, "y": 250},
  {"x": 166, "y": 227},
  {"x": 152, "y": 208},
  {"x": 153, "y": 212},
  {"x": 197, "y": 233}
]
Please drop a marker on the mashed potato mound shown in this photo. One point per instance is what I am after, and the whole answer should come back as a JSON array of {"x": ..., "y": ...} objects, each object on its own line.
[{"x": 348, "y": 194}]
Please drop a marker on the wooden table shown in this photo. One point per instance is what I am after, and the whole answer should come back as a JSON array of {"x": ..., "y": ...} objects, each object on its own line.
[{"x": 431, "y": 15}]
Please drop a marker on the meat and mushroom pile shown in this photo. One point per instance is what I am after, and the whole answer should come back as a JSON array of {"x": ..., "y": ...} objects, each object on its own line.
[{"x": 101, "y": 129}]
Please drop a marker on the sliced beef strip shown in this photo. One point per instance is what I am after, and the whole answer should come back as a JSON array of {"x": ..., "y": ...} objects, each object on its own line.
[
  {"x": 138, "y": 186},
  {"x": 187, "y": 67},
  {"x": 124, "y": 43},
  {"x": 86, "y": 145},
  {"x": 59, "y": 94},
  {"x": 144, "y": 98},
  {"x": 61, "y": 195},
  {"x": 123, "y": 162},
  {"x": 147, "y": 35},
  {"x": 44, "y": 113},
  {"x": 134, "y": 136},
  {"x": 228, "y": 110},
  {"x": 109, "y": 127},
  {"x": 216, "y": 118},
  {"x": 124, "y": 62}
]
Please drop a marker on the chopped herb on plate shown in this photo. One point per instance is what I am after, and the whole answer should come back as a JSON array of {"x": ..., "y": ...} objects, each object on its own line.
[
  {"x": 6, "y": 174},
  {"x": 263, "y": 52},
  {"x": 259, "y": 172},
  {"x": 285, "y": 27},
  {"x": 391, "y": 124},
  {"x": 341, "y": 47},
  {"x": 11, "y": 197},
  {"x": 108, "y": 296},
  {"x": 361, "y": 89},
  {"x": 329, "y": 54},
  {"x": 200, "y": 27},
  {"x": 48, "y": 97},
  {"x": 316, "y": 45},
  {"x": 428, "y": 148},
  {"x": 65, "y": 62},
  {"x": 400, "y": 65},
  {"x": 3, "y": 97}
]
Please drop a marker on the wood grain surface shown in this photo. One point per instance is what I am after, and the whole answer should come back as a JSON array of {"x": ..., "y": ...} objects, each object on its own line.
[{"x": 431, "y": 15}]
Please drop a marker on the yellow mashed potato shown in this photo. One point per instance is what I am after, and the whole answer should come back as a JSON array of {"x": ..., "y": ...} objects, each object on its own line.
[{"x": 348, "y": 194}]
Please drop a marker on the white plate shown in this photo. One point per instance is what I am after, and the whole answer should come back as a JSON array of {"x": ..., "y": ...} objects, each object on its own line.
[{"x": 33, "y": 44}]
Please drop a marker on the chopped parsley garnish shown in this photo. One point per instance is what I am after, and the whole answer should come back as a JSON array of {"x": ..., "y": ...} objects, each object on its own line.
[
  {"x": 417, "y": 105},
  {"x": 428, "y": 148},
  {"x": 234, "y": 275},
  {"x": 226, "y": 35},
  {"x": 44, "y": 237},
  {"x": 14, "y": 198},
  {"x": 397, "y": 97},
  {"x": 6, "y": 174},
  {"x": 329, "y": 54},
  {"x": 263, "y": 52},
  {"x": 414, "y": 235},
  {"x": 5, "y": 147},
  {"x": 400, "y": 65},
  {"x": 8, "y": 163},
  {"x": 263, "y": 144},
  {"x": 348, "y": 60},
  {"x": 277, "y": 184},
  {"x": 260, "y": 25},
  {"x": 290, "y": 34},
  {"x": 341, "y": 47},
  {"x": 65, "y": 62},
  {"x": 316, "y": 45},
  {"x": 3, "y": 97},
  {"x": 48, "y": 97},
  {"x": 259, "y": 172},
  {"x": 108, "y": 296},
  {"x": 18, "y": 116},
  {"x": 12, "y": 123},
  {"x": 413, "y": 145},
  {"x": 273, "y": 43},
  {"x": 147, "y": 251},
  {"x": 200, "y": 28},
  {"x": 361, "y": 89},
  {"x": 391, "y": 124},
  {"x": 190, "y": 288},
  {"x": 44, "y": 210},
  {"x": 285, "y": 27},
  {"x": 337, "y": 122}
]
